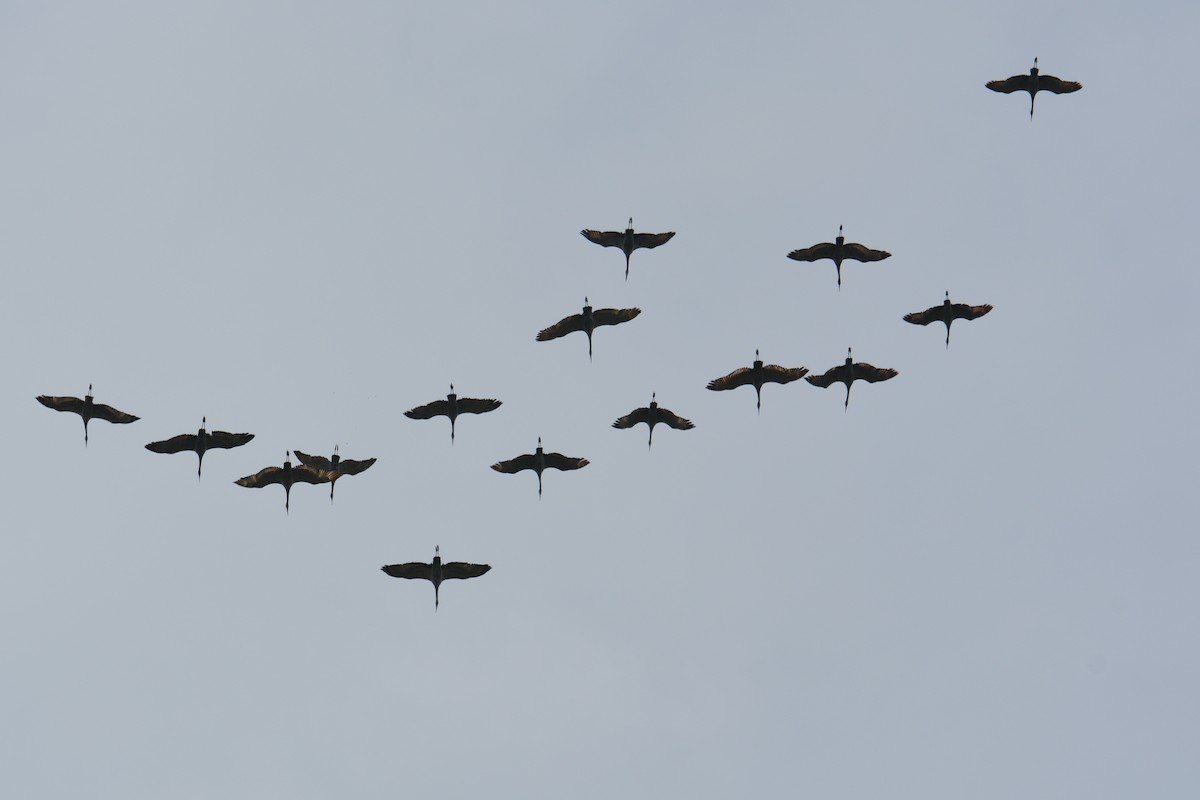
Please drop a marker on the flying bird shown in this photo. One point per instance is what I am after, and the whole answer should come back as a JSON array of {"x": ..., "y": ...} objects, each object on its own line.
[
  {"x": 286, "y": 476},
  {"x": 87, "y": 409},
  {"x": 539, "y": 461},
  {"x": 838, "y": 251},
  {"x": 628, "y": 241},
  {"x": 652, "y": 415},
  {"x": 850, "y": 372},
  {"x": 200, "y": 442},
  {"x": 437, "y": 571},
  {"x": 756, "y": 376},
  {"x": 1033, "y": 83},
  {"x": 947, "y": 312},
  {"x": 451, "y": 407},
  {"x": 335, "y": 467},
  {"x": 587, "y": 322}
]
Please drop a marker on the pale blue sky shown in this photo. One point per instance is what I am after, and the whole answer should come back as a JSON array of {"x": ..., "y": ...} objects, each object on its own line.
[{"x": 300, "y": 220}]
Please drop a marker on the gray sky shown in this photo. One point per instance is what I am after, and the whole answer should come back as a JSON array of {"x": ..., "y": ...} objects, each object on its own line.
[{"x": 300, "y": 220}]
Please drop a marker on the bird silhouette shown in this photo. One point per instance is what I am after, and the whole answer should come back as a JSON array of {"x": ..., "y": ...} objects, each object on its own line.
[
  {"x": 587, "y": 322},
  {"x": 838, "y": 251},
  {"x": 200, "y": 442},
  {"x": 451, "y": 407},
  {"x": 850, "y": 372},
  {"x": 335, "y": 467},
  {"x": 538, "y": 461},
  {"x": 627, "y": 240},
  {"x": 437, "y": 571},
  {"x": 88, "y": 409},
  {"x": 1033, "y": 83},
  {"x": 652, "y": 415},
  {"x": 756, "y": 376},
  {"x": 947, "y": 312},
  {"x": 286, "y": 476}
]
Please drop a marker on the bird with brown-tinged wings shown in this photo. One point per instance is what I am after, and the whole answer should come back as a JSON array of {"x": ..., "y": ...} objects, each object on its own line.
[
  {"x": 200, "y": 442},
  {"x": 756, "y": 376},
  {"x": 947, "y": 312},
  {"x": 1033, "y": 83},
  {"x": 627, "y": 240},
  {"x": 850, "y": 372},
  {"x": 838, "y": 251},
  {"x": 86, "y": 408},
  {"x": 539, "y": 461},
  {"x": 336, "y": 466},
  {"x": 451, "y": 407},
  {"x": 286, "y": 476},
  {"x": 436, "y": 572},
  {"x": 587, "y": 321},
  {"x": 652, "y": 415}
]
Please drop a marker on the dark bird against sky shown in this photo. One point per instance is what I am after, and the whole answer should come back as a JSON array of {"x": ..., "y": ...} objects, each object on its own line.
[
  {"x": 286, "y": 476},
  {"x": 87, "y": 409},
  {"x": 451, "y": 407},
  {"x": 335, "y": 467},
  {"x": 1033, "y": 83},
  {"x": 652, "y": 415},
  {"x": 437, "y": 571},
  {"x": 947, "y": 312},
  {"x": 200, "y": 442},
  {"x": 838, "y": 251},
  {"x": 587, "y": 322},
  {"x": 539, "y": 461},
  {"x": 850, "y": 372},
  {"x": 627, "y": 240},
  {"x": 756, "y": 376}
]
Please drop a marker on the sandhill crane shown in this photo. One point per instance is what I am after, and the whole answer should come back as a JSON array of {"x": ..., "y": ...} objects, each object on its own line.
[
  {"x": 286, "y": 476},
  {"x": 756, "y": 376},
  {"x": 850, "y": 372},
  {"x": 335, "y": 467},
  {"x": 451, "y": 407},
  {"x": 587, "y": 322},
  {"x": 1033, "y": 83},
  {"x": 627, "y": 240},
  {"x": 652, "y": 415},
  {"x": 200, "y": 442},
  {"x": 87, "y": 409},
  {"x": 838, "y": 251},
  {"x": 538, "y": 461},
  {"x": 947, "y": 312},
  {"x": 437, "y": 571}
]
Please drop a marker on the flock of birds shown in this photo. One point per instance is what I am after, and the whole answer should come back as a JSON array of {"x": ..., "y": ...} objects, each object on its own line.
[{"x": 318, "y": 469}]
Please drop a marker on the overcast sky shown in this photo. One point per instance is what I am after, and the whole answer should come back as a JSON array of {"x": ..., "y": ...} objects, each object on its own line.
[{"x": 301, "y": 219}]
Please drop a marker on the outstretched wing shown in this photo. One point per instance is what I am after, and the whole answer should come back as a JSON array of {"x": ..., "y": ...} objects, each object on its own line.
[
  {"x": 614, "y": 316},
  {"x": 561, "y": 328},
  {"x": 461, "y": 569},
  {"x": 649, "y": 240},
  {"x": 110, "y": 414},
  {"x": 413, "y": 569},
  {"x": 829, "y": 378},
  {"x": 865, "y": 372},
  {"x": 348, "y": 467},
  {"x": 1016, "y": 83},
  {"x": 1050, "y": 83},
  {"x": 61, "y": 403},
  {"x": 814, "y": 253},
  {"x": 674, "y": 420},
  {"x": 306, "y": 474},
  {"x": 514, "y": 465},
  {"x": 476, "y": 405},
  {"x": 633, "y": 418},
  {"x": 176, "y": 444},
  {"x": 318, "y": 462},
  {"x": 429, "y": 410},
  {"x": 559, "y": 461},
  {"x": 860, "y": 252},
  {"x": 226, "y": 440},
  {"x": 605, "y": 238},
  {"x": 925, "y": 317},
  {"x": 739, "y": 377},
  {"x": 264, "y": 477},
  {"x": 777, "y": 374},
  {"x": 964, "y": 311}
]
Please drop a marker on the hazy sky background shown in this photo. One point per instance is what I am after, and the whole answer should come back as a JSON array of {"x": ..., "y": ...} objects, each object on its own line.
[{"x": 301, "y": 219}]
